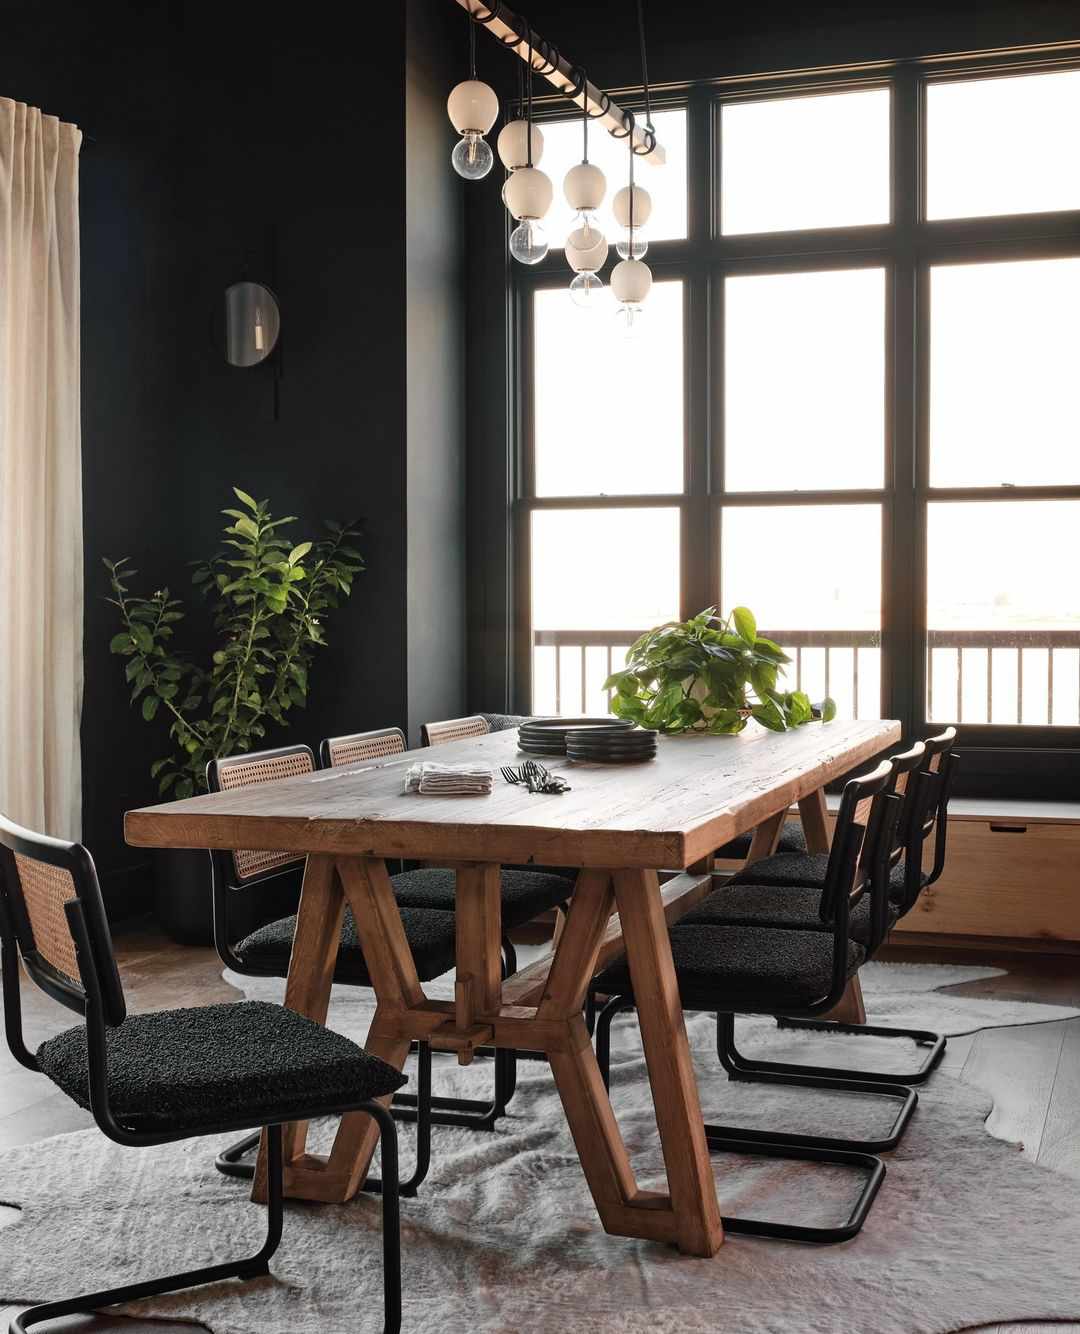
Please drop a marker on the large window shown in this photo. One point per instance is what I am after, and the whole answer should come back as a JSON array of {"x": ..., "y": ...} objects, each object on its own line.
[{"x": 853, "y": 404}]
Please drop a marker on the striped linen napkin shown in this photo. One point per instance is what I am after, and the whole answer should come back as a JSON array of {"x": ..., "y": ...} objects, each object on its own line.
[{"x": 448, "y": 780}]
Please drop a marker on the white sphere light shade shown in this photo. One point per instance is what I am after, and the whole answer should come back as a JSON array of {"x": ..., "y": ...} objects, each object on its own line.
[
  {"x": 586, "y": 250},
  {"x": 584, "y": 187},
  {"x": 528, "y": 193},
  {"x": 620, "y": 206},
  {"x": 512, "y": 145},
  {"x": 472, "y": 105},
  {"x": 630, "y": 282}
]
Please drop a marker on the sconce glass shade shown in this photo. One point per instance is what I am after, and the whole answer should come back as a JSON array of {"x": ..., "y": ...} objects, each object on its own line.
[
  {"x": 620, "y": 206},
  {"x": 512, "y": 145},
  {"x": 528, "y": 193},
  {"x": 252, "y": 323},
  {"x": 472, "y": 105},
  {"x": 584, "y": 187}
]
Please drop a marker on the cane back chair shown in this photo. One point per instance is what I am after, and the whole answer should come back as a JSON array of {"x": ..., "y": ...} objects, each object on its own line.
[{"x": 174, "y": 1074}]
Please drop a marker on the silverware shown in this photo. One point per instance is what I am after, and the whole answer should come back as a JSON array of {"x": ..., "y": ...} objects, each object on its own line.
[{"x": 536, "y": 778}]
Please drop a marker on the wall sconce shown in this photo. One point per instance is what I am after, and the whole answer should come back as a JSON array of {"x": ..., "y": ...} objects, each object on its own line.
[{"x": 252, "y": 323}]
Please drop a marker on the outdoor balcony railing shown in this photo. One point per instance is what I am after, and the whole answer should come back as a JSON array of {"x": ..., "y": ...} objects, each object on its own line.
[{"x": 972, "y": 676}]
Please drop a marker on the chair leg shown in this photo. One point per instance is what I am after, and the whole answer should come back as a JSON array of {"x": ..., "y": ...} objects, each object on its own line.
[
  {"x": 471, "y": 1113},
  {"x": 935, "y": 1042},
  {"x": 391, "y": 1217},
  {"x": 252, "y": 1267},
  {"x": 746, "y": 1069},
  {"x": 423, "y": 1136},
  {"x": 229, "y": 1162}
]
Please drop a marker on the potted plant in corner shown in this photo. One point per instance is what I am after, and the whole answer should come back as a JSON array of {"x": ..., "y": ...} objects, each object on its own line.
[
  {"x": 709, "y": 674},
  {"x": 269, "y": 598}
]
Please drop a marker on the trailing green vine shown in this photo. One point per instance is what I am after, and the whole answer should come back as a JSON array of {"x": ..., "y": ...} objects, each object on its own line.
[{"x": 269, "y": 601}]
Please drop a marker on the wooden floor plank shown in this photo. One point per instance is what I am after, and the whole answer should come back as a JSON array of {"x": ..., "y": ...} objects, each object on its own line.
[
  {"x": 1060, "y": 1148},
  {"x": 1018, "y": 1068}
]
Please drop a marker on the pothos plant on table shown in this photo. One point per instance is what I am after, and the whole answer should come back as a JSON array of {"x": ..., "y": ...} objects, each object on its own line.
[
  {"x": 269, "y": 599},
  {"x": 710, "y": 674}
]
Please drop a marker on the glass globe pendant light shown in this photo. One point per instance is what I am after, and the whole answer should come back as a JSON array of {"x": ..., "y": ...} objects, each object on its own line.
[
  {"x": 632, "y": 200},
  {"x": 472, "y": 107},
  {"x": 527, "y": 194},
  {"x": 586, "y": 246},
  {"x": 631, "y": 278}
]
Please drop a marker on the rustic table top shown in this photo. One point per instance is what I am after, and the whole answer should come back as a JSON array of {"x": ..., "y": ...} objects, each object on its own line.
[{"x": 698, "y": 793}]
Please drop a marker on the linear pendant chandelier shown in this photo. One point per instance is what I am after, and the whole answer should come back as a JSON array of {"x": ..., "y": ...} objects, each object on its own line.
[{"x": 473, "y": 108}]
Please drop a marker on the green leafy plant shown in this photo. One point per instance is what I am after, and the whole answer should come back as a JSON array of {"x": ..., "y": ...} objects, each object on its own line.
[
  {"x": 709, "y": 674},
  {"x": 269, "y": 598}
]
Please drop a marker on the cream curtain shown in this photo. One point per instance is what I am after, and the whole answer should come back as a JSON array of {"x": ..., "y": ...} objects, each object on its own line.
[{"x": 41, "y": 555}]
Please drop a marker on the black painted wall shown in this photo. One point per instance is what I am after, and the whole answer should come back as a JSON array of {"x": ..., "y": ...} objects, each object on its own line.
[{"x": 243, "y": 147}]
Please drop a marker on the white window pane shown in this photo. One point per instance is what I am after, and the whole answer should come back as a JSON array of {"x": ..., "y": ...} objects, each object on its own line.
[
  {"x": 804, "y": 567},
  {"x": 604, "y": 569},
  {"x": 805, "y": 381},
  {"x": 666, "y": 185},
  {"x": 798, "y": 162},
  {"x": 1005, "y": 373},
  {"x": 608, "y": 412},
  {"x": 998, "y": 146},
  {"x": 1002, "y": 613},
  {"x": 811, "y": 574}
]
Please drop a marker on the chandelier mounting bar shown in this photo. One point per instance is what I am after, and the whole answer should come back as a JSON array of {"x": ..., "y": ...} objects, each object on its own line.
[{"x": 517, "y": 35}]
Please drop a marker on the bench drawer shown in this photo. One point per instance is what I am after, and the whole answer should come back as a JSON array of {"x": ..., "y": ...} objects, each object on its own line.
[{"x": 1005, "y": 878}]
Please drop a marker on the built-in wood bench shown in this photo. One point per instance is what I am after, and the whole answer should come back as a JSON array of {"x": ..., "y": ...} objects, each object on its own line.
[
  {"x": 1012, "y": 869},
  {"x": 1012, "y": 872}
]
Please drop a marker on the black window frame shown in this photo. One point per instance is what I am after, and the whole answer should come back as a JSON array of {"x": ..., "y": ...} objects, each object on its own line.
[{"x": 1003, "y": 759}]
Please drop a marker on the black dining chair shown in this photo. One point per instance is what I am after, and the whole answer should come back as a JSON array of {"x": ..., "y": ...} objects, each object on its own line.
[
  {"x": 728, "y": 970},
  {"x": 782, "y": 889},
  {"x": 174, "y": 1074}
]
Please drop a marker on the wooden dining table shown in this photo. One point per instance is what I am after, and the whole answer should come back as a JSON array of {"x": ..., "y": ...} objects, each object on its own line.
[{"x": 641, "y": 837}]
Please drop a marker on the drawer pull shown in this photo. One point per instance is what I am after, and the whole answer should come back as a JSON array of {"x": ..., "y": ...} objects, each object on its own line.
[{"x": 1008, "y": 828}]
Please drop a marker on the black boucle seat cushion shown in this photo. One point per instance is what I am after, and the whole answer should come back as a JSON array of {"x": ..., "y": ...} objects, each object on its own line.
[
  {"x": 222, "y": 1066},
  {"x": 431, "y": 937},
  {"x": 525, "y": 894},
  {"x": 787, "y": 906},
  {"x": 744, "y": 969},
  {"x": 806, "y": 868},
  {"x": 792, "y": 839}
]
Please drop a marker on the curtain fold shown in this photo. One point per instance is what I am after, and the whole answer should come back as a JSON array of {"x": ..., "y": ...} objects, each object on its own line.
[{"x": 41, "y": 549}]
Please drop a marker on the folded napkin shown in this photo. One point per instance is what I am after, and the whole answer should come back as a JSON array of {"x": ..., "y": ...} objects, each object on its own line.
[{"x": 448, "y": 780}]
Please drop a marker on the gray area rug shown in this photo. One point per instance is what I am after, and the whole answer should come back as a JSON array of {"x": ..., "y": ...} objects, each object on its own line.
[{"x": 504, "y": 1236}]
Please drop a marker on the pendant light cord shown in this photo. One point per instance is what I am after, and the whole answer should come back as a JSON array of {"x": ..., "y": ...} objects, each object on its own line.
[
  {"x": 644, "y": 67},
  {"x": 585, "y": 117},
  {"x": 528, "y": 132},
  {"x": 472, "y": 50},
  {"x": 630, "y": 228}
]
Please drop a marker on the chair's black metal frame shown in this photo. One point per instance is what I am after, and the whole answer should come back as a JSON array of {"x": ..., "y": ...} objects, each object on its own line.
[
  {"x": 927, "y": 814},
  {"x": 423, "y": 1107},
  {"x": 100, "y": 1000},
  {"x": 859, "y": 865}
]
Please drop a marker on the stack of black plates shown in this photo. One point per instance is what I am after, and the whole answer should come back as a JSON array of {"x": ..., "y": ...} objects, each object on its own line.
[
  {"x": 547, "y": 736},
  {"x": 611, "y": 745}
]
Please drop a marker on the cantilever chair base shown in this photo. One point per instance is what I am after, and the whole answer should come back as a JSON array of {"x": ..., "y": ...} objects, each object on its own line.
[
  {"x": 935, "y": 1042},
  {"x": 749, "y": 1070},
  {"x": 766, "y": 1144},
  {"x": 802, "y": 1152},
  {"x": 255, "y": 1266}
]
